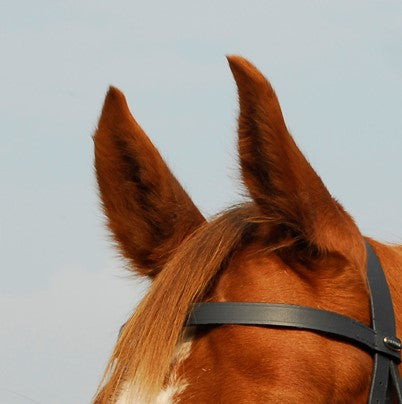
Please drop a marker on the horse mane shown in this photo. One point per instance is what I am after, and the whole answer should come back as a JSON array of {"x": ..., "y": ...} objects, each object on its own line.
[{"x": 145, "y": 347}]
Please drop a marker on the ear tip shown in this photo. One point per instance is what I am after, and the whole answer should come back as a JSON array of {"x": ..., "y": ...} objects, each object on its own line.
[
  {"x": 234, "y": 58},
  {"x": 115, "y": 105},
  {"x": 238, "y": 63},
  {"x": 243, "y": 69},
  {"x": 114, "y": 90},
  {"x": 114, "y": 96}
]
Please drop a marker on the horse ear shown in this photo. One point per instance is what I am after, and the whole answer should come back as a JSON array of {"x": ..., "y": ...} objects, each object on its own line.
[
  {"x": 148, "y": 212},
  {"x": 279, "y": 178}
]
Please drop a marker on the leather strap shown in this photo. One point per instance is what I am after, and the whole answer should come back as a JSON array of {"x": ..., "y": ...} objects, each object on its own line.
[
  {"x": 380, "y": 339},
  {"x": 383, "y": 323},
  {"x": 290, "y": 316},
  {"x": 397, "y": 382}
]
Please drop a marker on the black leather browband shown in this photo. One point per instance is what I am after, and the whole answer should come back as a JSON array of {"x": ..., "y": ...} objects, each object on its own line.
[
  {"x": 290, "y": 316},
  {"x": 380, "y": 339}
]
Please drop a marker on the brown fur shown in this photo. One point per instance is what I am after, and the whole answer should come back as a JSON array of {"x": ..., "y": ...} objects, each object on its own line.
[
  {"x": 292, "y": 244},
  {"x": 149, "y": 212},
  {"x": 278, "y": 176}
]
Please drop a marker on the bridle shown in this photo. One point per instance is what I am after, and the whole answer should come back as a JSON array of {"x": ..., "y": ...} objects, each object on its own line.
[{"x": 379, "y": 339}]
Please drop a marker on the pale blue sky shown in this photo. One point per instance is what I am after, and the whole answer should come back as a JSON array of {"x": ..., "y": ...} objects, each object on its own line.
[{"x": 337, "y": 69}]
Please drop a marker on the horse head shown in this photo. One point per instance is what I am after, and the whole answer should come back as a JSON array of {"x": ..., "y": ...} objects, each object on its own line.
[{"x": 292, "y": 242}]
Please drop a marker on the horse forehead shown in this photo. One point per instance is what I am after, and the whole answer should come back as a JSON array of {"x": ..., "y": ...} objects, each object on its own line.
[
  {"x": 233, "y": 355},
  {"x": 255, "y": 275}
]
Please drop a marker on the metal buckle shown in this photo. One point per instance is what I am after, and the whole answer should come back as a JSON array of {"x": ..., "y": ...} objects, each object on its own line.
[{"x": 393, "y": 343}]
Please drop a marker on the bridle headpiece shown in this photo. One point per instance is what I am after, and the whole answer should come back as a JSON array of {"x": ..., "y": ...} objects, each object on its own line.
[{"x": 379, "y": 339}]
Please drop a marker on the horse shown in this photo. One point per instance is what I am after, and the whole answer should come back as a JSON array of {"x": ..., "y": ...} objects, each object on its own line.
[{"x": 291, "y": 243}]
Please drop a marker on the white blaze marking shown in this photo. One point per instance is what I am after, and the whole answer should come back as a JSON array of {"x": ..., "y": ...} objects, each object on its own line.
[{"x": 174, "y": 386}]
